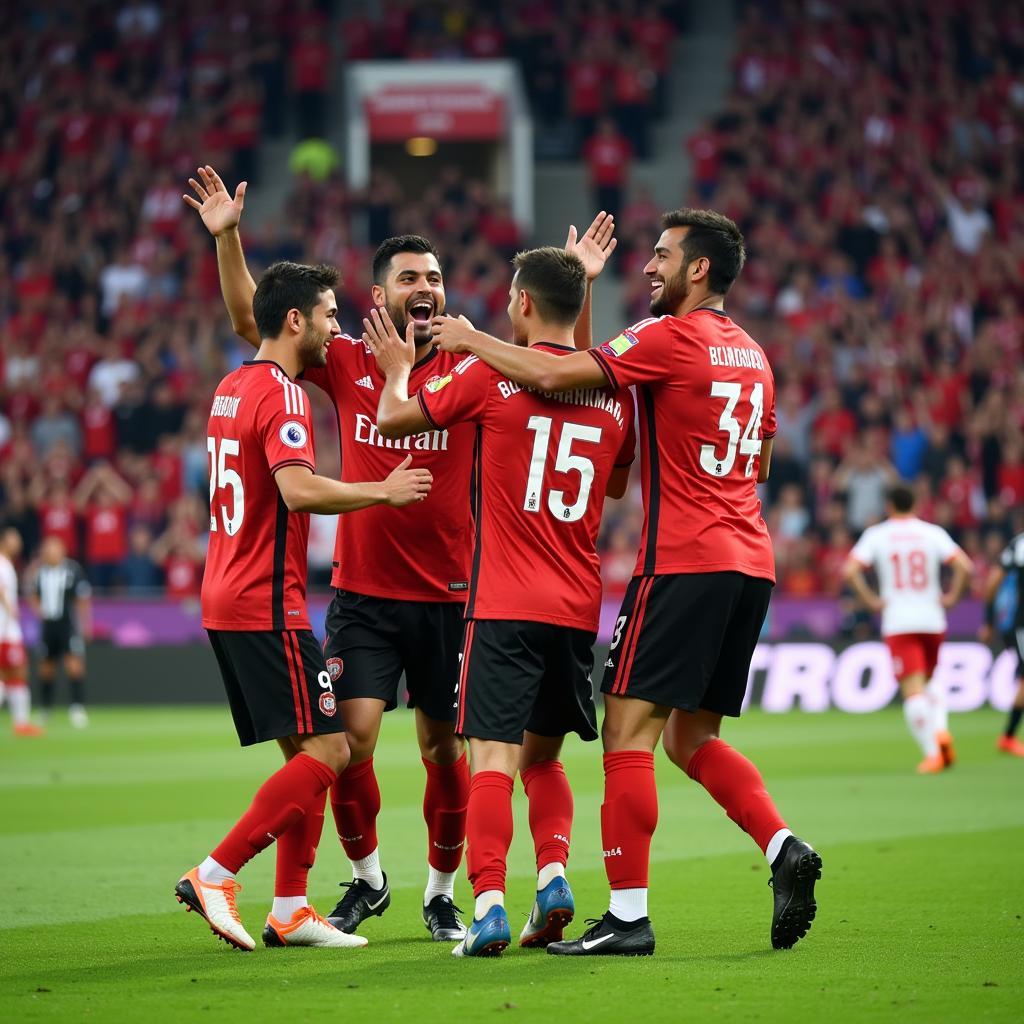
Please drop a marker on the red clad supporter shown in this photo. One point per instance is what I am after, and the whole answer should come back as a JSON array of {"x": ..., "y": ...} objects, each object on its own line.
[{"x": 608, "y": 154}]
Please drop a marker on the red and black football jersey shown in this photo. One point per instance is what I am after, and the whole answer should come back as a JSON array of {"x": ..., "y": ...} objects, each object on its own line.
[
  {"x": 542, "y": 468},
  {"x": 255, "y": 576},
  {"x": 706, "y": 400},
  {"x": 420, "y": 552}
]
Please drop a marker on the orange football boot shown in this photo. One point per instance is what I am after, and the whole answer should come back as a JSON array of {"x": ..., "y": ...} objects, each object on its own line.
[
  {"x": 946, "y": 751},
  {"x": 1010, "y": 745},
  {"x": 931, "y": 765}
]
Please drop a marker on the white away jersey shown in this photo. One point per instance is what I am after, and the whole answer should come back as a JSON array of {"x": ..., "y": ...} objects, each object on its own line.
[
  {"x": 10, "y": 625},
  {"x": 907, "y": 556}
]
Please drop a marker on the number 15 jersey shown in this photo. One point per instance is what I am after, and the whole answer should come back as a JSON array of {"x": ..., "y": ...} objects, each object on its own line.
[
  {"x": 542, "y": 468},
  {"x": 706, "y": 399},
  {"x": 256, "y": 563}
]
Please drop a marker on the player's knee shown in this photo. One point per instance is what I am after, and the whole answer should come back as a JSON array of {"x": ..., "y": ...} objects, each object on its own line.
[
  {"x": 442, "y": 749},
  {"x": 332, "y": 749}
]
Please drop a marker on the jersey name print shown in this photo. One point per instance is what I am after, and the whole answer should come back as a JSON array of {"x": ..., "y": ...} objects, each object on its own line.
[
  {"x": 255, "y": 575},
  {"x": 542, "y": 468},
  {"x": 706, "y": 400},
  {"x": 420, "y": 552},
  {"x": 907, "y": 556}
]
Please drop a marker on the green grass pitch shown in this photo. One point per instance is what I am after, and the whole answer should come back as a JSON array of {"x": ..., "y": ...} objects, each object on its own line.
[{"x": 920, "y": 906}]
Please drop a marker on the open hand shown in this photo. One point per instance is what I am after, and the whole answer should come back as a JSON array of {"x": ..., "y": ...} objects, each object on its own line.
[
  {"x": 452, "y": 334},
  {"x": 392, "y": 352},
  {"x": 596, "y": 245},
  {"x": 218, "y": 210},
  {"x": 405, "y": 485}
]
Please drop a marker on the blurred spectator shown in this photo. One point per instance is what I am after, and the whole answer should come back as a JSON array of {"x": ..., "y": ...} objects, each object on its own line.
[{"x": 608, "y": 153}]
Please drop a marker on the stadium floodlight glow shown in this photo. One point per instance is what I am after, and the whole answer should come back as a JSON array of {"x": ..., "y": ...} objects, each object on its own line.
[{"x": 421, "y": 145}]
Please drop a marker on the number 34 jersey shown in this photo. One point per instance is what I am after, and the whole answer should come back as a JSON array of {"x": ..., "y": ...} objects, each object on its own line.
[
  {"x": 256, "y": 563},
  {"x": 541, "y": 471},
  {"x": 706, "y": 399}
]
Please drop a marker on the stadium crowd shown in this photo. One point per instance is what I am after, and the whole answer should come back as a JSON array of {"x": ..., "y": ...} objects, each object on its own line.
[{"x": 870, "y": 152}]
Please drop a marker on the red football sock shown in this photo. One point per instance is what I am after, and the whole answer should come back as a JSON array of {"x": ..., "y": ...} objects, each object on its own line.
[
  {"x": 355, "y": 800},
  {"x": 444, "y": 810},
  {"x": 550, "y": 797},
  {"x": 489, "y": 830},
  {"x": 278, "y": 804},
  {"x": 736, "y": 784},
  {"x": 296, "y": 851},
  {"x": 629, "y": 816}
]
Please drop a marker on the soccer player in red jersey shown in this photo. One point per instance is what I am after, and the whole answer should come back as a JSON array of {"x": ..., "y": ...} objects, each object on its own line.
[
  {"x": 543, "y": 466},
  {"x": 262, "y": 489},
  {"x": 692, "y": 614}
]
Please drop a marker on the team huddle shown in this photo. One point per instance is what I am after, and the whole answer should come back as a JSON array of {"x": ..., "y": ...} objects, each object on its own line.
[{"x": 466, "y": 559}]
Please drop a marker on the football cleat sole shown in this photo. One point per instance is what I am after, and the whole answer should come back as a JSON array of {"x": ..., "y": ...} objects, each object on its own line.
[
  {"x": 186, "y": 895},
  {"x": 553, "y": 930}
]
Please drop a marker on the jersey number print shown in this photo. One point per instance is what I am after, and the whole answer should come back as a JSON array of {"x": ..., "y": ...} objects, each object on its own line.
[
  {"x": 748, "y": 442},
  {"x": 565, "y": 462},
  {"x": 223, "y": 476}
]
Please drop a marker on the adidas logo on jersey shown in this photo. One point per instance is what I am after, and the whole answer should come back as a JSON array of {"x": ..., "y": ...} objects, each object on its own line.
[{"x": 365, "y": 382}]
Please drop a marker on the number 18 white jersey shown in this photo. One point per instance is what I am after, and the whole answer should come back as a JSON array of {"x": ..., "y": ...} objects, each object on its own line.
[{"x": 907, "y": 556}]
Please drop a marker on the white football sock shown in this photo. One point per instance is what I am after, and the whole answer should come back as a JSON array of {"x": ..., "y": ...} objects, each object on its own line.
[
  {"x": 20, "y": 701},
  {"x": 214, "y": 873},
  {"x": 439, "y": 883},
  {"x": 285, "y": 906},
  {"x": 548, "y": 873},
  {"x": 368, "y": 869},
  {"x": 917, "y": 710},
  {"x": 774, "y": 847},
  {"x": 628, "y": 904},
  {"x": 486, "y": 900},
  {"x": 940, "y": 711}
]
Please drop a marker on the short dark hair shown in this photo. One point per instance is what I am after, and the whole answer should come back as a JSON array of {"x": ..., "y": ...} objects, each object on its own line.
[
  {"x": 712, "y": 235},
  {"x": 286, "y": 285},
  {"x": 901, "y": 496},
  {"x": 391, "y": 247},
  {"x": 556, "y": 281}
]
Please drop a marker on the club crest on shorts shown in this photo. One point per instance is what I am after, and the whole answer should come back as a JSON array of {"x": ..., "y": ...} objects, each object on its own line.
[
  {"x": 335, "y": 666},
  {"x": 293, "y": 434},
  {"x": 328, "y": 704}
]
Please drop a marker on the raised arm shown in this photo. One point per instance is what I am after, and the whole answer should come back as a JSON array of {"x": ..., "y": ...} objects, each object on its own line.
[
  {"x": 527, "y": 366},
  {"x": 305, "y": 491},
  {"x": 594, "y": 248},
  {"x": 398, "y": 415},
  {"x": 221, "y": 215}
]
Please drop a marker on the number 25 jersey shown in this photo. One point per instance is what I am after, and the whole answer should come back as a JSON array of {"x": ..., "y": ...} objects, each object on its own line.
[
  {"x": 542, "y": 468},
  {"x": 256, "y": 563},
  {"x": 706, "y": 400}
]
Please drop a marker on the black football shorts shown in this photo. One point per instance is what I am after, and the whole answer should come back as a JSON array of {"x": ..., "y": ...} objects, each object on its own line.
[
  {"x": 59, "y": 637},
  {"x": 685, "y": 640},
  {"x": 371, "y": 641},
  {"x": 277, "y": 684},
  {"x": 525, "y": 677}
]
